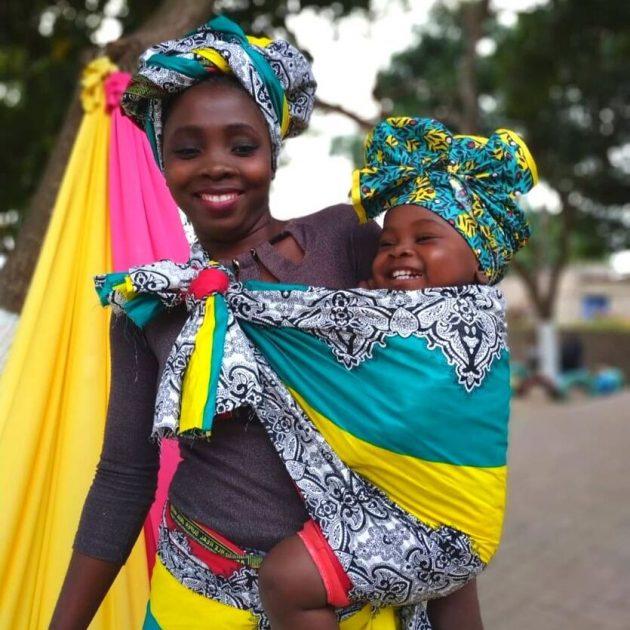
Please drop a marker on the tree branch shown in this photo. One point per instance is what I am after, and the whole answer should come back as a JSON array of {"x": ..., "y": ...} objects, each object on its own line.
[
  {"x": 171, "y": 19},
  {"x": 564, "y": 247},
  {"x": 364, "y": 123}
]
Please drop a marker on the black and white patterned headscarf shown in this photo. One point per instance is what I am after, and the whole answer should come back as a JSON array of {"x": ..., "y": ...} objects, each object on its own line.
[{"x": 275, "y": 74}]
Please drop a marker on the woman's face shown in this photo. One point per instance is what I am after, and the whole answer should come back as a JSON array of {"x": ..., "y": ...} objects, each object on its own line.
[{"x": 217, "y": 163}]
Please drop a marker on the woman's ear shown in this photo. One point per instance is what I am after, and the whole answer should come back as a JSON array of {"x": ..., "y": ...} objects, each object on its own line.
[{"x": 480, "y": 277}]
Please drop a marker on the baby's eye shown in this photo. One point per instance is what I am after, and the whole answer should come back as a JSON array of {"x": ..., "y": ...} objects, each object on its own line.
[
  {"x": 244, "y": 149},
  {"x": 385, "y": 244},
  {"x": 423, "y": 238}
]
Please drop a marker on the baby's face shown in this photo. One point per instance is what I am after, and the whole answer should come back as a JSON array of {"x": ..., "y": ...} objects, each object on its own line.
[{"x": 418, "y": 250}]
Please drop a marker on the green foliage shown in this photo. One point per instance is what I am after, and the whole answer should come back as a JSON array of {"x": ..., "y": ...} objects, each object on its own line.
[
  {"x": 41, "y": 45},
  {"x": 260, "y": 16},
  {"x": 563, "y": 76},
  {"x": 560, "y": 77}
]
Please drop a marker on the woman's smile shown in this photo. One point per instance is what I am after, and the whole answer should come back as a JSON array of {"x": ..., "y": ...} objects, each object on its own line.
[{"x": 219, "y": 202}]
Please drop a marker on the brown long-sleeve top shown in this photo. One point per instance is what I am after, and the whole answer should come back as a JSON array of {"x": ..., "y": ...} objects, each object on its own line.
[{"x": 234, "y": 483}]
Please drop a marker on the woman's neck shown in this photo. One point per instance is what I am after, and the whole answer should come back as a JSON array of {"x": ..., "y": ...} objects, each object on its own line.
[{"x": 226, "y": 250}]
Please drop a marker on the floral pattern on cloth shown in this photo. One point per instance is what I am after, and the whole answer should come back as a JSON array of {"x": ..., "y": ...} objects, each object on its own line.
[
  {"x": 470, "y": 181},
  {"x": 464, "y": 323},
  {"x": 391, "y": 556},
  {"x": 275, "y": 74},
  {"x": 240, "y": 589}
]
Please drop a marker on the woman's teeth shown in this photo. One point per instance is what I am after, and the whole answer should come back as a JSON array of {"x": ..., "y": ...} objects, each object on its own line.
[{"x": 219, "y": 198}]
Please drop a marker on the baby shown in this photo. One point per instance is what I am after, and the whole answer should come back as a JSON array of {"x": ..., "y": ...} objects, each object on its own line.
[{"x": 451, "y": 220}]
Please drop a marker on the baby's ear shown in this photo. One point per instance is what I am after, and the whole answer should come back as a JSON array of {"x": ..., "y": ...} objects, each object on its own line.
[{"x": 480, "y": 277}]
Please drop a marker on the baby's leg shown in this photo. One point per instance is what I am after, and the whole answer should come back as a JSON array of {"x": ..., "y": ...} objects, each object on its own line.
[{"x": 292, "y": 590}]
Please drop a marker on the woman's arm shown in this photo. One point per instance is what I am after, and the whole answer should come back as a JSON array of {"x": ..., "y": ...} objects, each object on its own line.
[
  {"x": 124, "y": 485},
  {"x": 457, "y": 611},
  {"x": 86, "y": 584}
]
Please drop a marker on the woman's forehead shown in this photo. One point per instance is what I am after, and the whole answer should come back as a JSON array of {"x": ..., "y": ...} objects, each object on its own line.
[{"x": 215, "y": 104}]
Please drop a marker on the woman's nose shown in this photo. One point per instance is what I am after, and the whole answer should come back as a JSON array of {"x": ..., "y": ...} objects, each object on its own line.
[{"x": 217, "y": 167}]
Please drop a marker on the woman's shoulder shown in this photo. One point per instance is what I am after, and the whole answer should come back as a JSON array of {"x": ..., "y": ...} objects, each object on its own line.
[
  {"x": 339, "y": 221},
  {"x": 327, "y": 218}
]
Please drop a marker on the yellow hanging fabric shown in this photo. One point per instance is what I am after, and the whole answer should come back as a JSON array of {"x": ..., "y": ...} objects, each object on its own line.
[{"x": 53, "y": 395}]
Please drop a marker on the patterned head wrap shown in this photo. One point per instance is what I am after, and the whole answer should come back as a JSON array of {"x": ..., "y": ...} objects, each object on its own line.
[
  {"x": 276, "y": 75},
  {"x": 469, "y": 181}
]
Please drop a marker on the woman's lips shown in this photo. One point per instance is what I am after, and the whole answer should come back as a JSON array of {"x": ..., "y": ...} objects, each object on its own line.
[{"x": 218, "y": 202}]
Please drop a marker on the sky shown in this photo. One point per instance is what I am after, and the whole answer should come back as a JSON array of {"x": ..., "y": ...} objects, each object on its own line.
[{"x": 347, "y": 58}]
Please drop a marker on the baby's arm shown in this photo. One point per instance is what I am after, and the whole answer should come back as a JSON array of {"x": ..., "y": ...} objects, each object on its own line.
[{"x": 292, "y": 591}]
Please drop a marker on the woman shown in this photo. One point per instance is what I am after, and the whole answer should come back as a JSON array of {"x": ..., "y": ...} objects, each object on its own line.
[{"x": 216, "y": 107}]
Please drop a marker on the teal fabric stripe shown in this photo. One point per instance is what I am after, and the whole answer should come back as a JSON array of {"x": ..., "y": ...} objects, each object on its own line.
[
  {"x": 149, "y": 130},
  {"x": 262, "y": 285},
  {"x": 188, "y": 67},
  {"x": 218, "y": 343},
  {"x": 109, "y": 282},
  {"x": 150, "y": 623},
  {"x": 143, "y": 308},
  {"x": 271, "y": 81},
  {"x": 405, "y": 399},
  {"x": 140, "y": 310}
]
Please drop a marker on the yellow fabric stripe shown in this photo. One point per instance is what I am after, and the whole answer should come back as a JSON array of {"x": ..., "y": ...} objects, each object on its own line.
[
  {"x": 261, "y": 42},
  {"x": 480, "y": 139},
  {"x": 215, "y": 58},
  {"x": 53, "y": 397},
  {"x": 197, "y": 377},
  {"x": 126, "y": 288},
  {"x": 467, "y": 498},
  {"x": 284, "y": 123},
  {"x": 356, "y": 196},
  {"x": 175, "y": 607},
  {"x": 526, "y": 152}
]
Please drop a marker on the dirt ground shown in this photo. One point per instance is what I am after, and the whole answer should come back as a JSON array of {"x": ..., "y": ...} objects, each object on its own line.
[{"x": 564, "y": 563}]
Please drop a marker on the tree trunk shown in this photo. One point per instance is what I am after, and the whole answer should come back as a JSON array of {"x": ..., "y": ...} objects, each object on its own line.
[
  {"x": 16, "y": 274},
  {"x": 172, "y": 18},
  {"x": 473, "y": 16},
  {"x": 548, "y": 350}
]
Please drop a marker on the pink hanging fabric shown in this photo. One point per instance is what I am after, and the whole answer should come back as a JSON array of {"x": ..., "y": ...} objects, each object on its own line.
[{"x": 145, "y": 226}]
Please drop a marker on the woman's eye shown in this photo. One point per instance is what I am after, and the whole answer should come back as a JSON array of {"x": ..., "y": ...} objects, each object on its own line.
[
  {"x": 423, "y": 238},
  {"x": 185, "y": 153},
  {"x": 385, "y": 244}
]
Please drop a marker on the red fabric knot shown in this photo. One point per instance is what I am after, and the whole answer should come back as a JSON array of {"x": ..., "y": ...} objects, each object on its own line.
[
  {"x": 209, "y": 281},
  {"x": 115, "y": 84}
]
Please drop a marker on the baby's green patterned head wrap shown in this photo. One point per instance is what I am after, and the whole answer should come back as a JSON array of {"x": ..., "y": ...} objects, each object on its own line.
[{"x": 469, "y": 181}]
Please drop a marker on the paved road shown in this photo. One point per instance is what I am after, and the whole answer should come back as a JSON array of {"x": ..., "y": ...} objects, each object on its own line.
[{"x": 564, "y": 563}]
